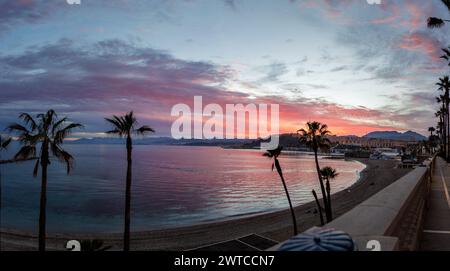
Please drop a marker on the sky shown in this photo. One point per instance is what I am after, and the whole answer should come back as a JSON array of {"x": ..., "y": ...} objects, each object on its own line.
[{"x": 354, "y": 66}]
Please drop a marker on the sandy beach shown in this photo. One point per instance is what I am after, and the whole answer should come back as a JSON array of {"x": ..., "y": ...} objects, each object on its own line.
[{"x": 275, "y": 226}]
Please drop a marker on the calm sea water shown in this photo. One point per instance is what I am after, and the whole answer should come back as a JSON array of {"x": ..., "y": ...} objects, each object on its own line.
[{"x": 172, "y": 186}]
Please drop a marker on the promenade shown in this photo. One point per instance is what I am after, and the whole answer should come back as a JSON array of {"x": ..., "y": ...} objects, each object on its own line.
[{"x": 436, "y": 228}]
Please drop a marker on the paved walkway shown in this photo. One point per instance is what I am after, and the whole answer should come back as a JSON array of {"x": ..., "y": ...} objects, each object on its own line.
[{"x": 436, "y": 231}]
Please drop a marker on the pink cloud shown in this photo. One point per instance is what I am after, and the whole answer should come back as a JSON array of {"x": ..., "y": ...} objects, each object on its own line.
[{"x": 421, "y": 42}]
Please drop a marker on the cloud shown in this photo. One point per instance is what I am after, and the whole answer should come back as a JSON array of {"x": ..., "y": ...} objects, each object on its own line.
[
  {"x": 112, "y": 77},
  {"x": 422, "y": 42},
  {"x": 273, "y": 72},
  {"x": 26, "y": 11},
  {"x": 108, "y": 77}
]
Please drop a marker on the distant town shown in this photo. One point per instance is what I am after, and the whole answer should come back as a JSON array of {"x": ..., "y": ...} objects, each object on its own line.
[{"x": 351, "y": 145}]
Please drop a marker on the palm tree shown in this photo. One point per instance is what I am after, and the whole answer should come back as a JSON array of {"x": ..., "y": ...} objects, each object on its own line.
[
  {"x": 125, "y": 126},
  {"x": 433, "y": 139},
  {"x": 49, "y": 132},
  {"x": 4, "y": 143},
  {"x": 274, "y": 155},
  {"x": 434, "y": 22},
  {"x": 329, "y": 173},
  {"x": 315, "y": 136},
  {"x": 442, "y": 113},
  {"x": 431, "y": 130},
  {"x": 441, "y": 129},
  {"x": 444, "y": 86}
]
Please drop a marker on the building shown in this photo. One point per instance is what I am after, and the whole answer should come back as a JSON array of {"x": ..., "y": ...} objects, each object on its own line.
[{"x": 372, "y": 143}]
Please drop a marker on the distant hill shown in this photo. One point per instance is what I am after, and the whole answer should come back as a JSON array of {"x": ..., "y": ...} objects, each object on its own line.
[
  {"x": 162, "y": 141},
  {"x": 286, "y": 140},
  {"x": 394, "y": 135}
]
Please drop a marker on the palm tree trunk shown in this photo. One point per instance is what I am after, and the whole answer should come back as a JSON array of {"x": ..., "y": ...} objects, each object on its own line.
[
  {"x": 0, "y": 190},
  {"x": 43, "y": 200},
  {"x": 448, "y": 133},
  {"x": 322, "y": 222},
  {"x": 280, "y": 172},
  {"x": 126, "y": 233},
  {"x": 0, "y": 184},
  {"x": 445, "y": 125},
  {"x": 0, "y": 193},
  {"x": 441, "y": 125},
  {"x": 444, "y": 135},
  {"x": 329, "y": 198},
  {"x": 322, "y": 187}
]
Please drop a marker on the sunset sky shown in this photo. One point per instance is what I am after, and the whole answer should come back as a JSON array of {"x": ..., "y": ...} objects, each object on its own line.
[{"x": 355, "y": 66}]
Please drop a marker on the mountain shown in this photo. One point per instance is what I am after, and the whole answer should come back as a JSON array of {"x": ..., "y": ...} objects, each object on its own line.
[{"x": 394, "y": 135}]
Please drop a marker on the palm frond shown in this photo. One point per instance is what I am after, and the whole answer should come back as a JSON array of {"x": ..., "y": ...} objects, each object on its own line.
[
  {"x": 118, "y": 125},
  {"x": 47, "y": 119},
  {"x": 29, "y": 120},
  {"x": 121, "y": 121},
  {"x": 36, "y": 168},
  {"x": 26, "y": 152},
  {"x": 323, "y": 144},
  {"x": 130, "y": 119},
  {"x": 15, "y": 127},
  {"x": 4, "y": 143},
  {"x": 273, "y": 153},
  {"x": 115, "y": 131},
  {"x": 57, "y": 124},
  {"x": 62, "y": 156},
  {"x": 323, "y": 127},
  {"x": 328, "y": 172},
  {"x": 124, "y": 125},
  {"x": 30, "y": 139},
  {"x": 434, "y": 22},
  {"x": 61, "y": 134},
  {"x": 51, "y": 116},
  {"x": 144, "y": 129},
  {"x": 324, "y": 133}
]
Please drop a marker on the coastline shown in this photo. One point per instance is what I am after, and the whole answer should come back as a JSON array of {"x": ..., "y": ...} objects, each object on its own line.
[{"x": 274, "y": 225}]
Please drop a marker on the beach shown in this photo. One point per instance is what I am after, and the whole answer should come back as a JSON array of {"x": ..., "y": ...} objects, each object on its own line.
[{"x": 276, "y": 226}]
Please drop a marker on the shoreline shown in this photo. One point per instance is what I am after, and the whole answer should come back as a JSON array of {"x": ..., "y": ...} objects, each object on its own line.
[{"x": 274, "y": 225}]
